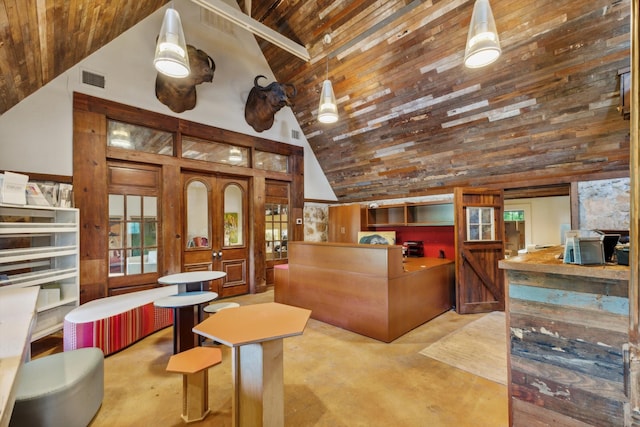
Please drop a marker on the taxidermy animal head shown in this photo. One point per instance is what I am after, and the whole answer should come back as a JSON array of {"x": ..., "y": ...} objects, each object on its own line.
[
  {"x": 264, "y": 102},
  {"x": 180, "y": 94}
]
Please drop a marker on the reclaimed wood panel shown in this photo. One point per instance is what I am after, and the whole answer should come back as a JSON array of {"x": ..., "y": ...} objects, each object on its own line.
[
  {"x": 567, "y": 338},
  {"x": 413, "y": 120}
]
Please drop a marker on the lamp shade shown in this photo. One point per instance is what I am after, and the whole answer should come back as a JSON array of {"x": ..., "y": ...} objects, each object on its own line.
[
  {"x": 171, "y": 56},
  {"x": 328, "y": 108},
  {"x": 483, "y": 44}
]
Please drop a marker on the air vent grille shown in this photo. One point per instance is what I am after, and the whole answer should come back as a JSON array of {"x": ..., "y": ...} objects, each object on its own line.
[
  {"x": 213, "y": 20},
  {"x": 295, "y": 134},
  {"x": 93, "y": 79}
]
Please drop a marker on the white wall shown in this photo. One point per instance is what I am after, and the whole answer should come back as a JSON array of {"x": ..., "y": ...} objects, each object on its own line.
[
  {"x": 36, "y": 134},
  {"x": 550, "y": 216}
]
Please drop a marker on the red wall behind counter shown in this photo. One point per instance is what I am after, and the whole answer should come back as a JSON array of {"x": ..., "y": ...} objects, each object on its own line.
[{"x": 434, "y": 238}]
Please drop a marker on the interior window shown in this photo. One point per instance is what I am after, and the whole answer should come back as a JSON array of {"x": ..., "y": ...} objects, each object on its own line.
[
  {"x": 133, "y": 242},
  {"x": 276, "y": 230}
]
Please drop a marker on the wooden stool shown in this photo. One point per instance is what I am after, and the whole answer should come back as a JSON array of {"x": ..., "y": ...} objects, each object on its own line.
[
  {"x": 214, "y": 308},
  {"x": 194, "y": 365}
]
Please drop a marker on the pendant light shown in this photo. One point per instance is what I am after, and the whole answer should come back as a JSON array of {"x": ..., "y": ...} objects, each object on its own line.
[
  {"x": 483, "y": 44},
  {"x": 328, "y": 107},
  {"x": 171, "y": 57}
]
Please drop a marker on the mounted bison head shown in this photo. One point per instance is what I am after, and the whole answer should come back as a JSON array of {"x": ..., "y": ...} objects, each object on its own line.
[
  {"x": 180, "y": 94},
  {"x": 264, "y": 102}
]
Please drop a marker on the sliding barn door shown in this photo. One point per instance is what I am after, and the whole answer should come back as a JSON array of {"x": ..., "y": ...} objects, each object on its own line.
[{"x": 479, "y": 242}]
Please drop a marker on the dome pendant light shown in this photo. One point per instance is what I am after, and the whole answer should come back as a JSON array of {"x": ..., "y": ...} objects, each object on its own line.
[
  {"x": 328, "y": 107},
  {"x": 483, "y": 44},
  {"x": 171, "y": 56}
]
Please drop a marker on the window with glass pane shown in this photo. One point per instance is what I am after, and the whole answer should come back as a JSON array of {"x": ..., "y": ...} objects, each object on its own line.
[
  {"x": 517, "y": 215},
  {"x": 271, "y": 161},
  {"x": 215, "y": 152},
  {"x": 233, "y": 220},
  {"x": 139, "y": 138},
  {"x": 133, "y": 242},
  {"x": 480, "y": 224},
  {"x": 276, "y": 230}
]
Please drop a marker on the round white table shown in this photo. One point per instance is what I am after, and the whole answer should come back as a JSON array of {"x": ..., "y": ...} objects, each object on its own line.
[
  {"x": 187, "y": 312},
  {"x": 184, "y": 280}
]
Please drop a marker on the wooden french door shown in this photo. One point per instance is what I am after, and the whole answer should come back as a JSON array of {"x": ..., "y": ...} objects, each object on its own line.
[
  {"x": 479, "y": 243},
  {"x": 216, "y": 229}
]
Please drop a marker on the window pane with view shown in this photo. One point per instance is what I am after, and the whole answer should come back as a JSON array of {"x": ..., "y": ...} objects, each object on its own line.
[
  {"x": 133, "y": 241},
  {"x": 271, "y": 161},
  {"x": 215, "y": 152},
  {"x": 139, "y": 138}
]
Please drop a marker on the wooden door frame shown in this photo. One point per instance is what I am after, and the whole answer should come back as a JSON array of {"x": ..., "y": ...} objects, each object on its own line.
[
  {"x": 90, "y": 155},
  {"x": 465, "y": 258}
]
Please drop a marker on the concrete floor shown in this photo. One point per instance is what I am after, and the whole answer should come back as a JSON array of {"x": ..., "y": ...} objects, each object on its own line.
[{"x": 332, "y": 377}]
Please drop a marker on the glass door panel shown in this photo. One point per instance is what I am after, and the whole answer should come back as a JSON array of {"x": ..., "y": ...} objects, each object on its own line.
[
  {"x": 197, "y": 217},
  {"x": 233, "y": 216}
]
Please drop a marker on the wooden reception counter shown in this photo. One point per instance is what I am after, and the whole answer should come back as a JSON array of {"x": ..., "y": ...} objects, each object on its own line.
[
  {"x": 367, "y": 289},
  {"x": 568, "y": 326}
]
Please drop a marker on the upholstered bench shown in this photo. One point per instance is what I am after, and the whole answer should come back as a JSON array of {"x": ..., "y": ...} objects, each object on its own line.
[
  {"x": 115, "y": 322},
  {"x": 62, "y": 389}
]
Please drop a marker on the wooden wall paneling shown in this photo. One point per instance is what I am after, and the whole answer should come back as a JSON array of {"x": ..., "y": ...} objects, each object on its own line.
[
  {"x": 474, "y": 127},
  {"x": 297, "y": 196},
  {"x": 172, "y": 220},
  {"x": 567, "y": 335},
  {"x": 257, "y": 263},
  {"x": 413, "y": 119},
  {"x": 345, "y": 221},
  {"x": 90, "y": 189}
]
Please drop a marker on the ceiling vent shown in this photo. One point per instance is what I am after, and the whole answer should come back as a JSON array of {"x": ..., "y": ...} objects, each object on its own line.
[
  {"x": 93, "y": 79},
  {"x": 295, "y": 134}
]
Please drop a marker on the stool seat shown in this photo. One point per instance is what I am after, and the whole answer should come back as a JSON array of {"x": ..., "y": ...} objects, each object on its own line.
[
  {"x": 194, "y": 360},
  {"x": 214, "y": 308},
  {"x": 194, "y": 364},
  {"x": 62, "y": 389}
]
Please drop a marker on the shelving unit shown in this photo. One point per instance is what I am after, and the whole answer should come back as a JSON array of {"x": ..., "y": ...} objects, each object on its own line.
[
  {"x": 39, "y": 246},
  {"x": 414, "y": 214}
]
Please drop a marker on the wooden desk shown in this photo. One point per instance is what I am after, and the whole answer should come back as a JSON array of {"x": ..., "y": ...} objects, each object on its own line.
[
  {"x": 186, "y": 309},
  {"x": 255, "y": 333},
  {"x": 366, "y": 289},
  {"x": 17, "y": 317}
]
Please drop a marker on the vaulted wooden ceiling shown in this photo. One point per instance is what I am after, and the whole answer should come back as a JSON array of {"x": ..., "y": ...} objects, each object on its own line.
[{"x": 413, "y": 119}]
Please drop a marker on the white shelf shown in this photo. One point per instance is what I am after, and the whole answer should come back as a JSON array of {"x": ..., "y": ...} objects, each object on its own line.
[
  {"x": 39, "y": 247},
  {"x": 25, "y": 254}
]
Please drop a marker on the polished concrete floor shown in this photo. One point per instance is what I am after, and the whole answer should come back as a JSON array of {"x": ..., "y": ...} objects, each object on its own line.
[{"x": 332, "y": 377}]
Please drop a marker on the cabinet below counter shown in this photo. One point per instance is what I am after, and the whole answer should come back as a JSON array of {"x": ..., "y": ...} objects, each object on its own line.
[
  {"x": 568, "y": 329},
  {"x": 366, "y": 289}
]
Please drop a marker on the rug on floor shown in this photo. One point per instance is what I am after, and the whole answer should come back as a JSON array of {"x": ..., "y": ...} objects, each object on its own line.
[{"x": 479, "y": 348}]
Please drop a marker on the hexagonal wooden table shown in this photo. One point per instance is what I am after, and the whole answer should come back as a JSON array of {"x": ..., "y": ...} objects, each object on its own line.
[{"x": 255, "y": 333}]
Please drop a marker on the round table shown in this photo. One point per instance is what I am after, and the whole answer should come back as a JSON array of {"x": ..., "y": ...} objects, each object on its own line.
[
  {"x": 184, "y": 280},
  {"x": 186, "y": 309}
]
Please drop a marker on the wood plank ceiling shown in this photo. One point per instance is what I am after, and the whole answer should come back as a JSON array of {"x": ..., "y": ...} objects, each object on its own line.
[{"x": 413, "y": 120}]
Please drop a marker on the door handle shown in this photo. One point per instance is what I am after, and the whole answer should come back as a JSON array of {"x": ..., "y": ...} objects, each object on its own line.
[{"x": 216, "y": 255}]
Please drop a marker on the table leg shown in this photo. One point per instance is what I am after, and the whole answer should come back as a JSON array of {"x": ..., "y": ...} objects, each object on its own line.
[
  {"x": 183, "y": 324},
  {"x": 176, "y": 316},
  {"x": 258, "y": 397}
]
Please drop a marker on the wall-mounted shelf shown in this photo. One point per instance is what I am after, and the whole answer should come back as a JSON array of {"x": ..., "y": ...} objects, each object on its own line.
[
  {"x": 411, "y": 214},
  {"x": 39, "y": 246}
]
